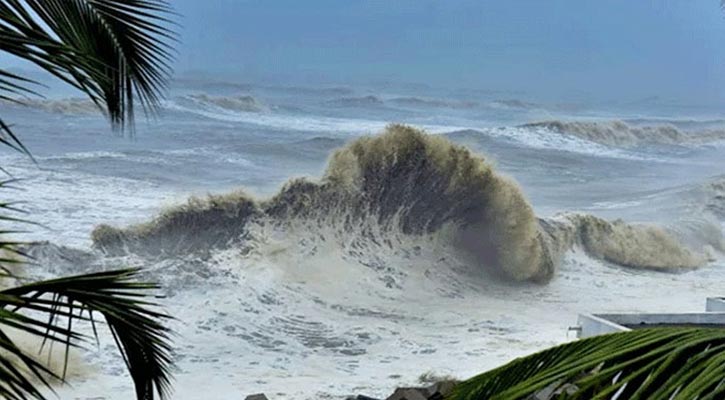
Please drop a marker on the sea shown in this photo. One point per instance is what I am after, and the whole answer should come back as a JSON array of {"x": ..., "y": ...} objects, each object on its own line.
[{"x": 360, "y": 290}]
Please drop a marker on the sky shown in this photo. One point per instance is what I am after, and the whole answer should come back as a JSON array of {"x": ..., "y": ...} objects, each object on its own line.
[{"x": 559, "y": 49}]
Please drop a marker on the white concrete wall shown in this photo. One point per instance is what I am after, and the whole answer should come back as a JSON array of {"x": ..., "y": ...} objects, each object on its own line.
[
  {"x": 715, "y": 304},
  {"x": 634, "y": 319},
  {"x": 598, "y": 324},
  {"x": 592, "y": 325}
]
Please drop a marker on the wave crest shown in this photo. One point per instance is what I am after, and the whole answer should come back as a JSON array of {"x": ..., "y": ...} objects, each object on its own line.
[
  {"x": 630, "y": 245},
  {"x": 70, "y": 106},
  {"x": 514, "y": 104},
  {"x": 621, "y": 134},
  {"x": 231, "y": 103}
]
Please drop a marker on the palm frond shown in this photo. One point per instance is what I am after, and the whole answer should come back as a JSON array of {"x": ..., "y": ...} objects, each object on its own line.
[
  {"x": 657, "y": 363},
  {"x": 115, "y": 51},
  {"x": 13, "y": 84},
  {"x": 112, "y": 50},
  {"x": 118, "y": 297},
  {"x": 8, "y": 138},
  {"x": 11, "y": 253}
]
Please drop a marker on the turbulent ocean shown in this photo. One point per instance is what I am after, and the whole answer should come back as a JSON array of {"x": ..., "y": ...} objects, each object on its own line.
[{"x": 318, "y": 242}]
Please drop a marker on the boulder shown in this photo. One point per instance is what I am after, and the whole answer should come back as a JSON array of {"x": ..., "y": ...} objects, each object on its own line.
[
  {"x": 258, "y": 396},
  {"x": 437, "y": 391},
  {"x": 410, "y": 394},
  {"x": 441, "y": 390}
]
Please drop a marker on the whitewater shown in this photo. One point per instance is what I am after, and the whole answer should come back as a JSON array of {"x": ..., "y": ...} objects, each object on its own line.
[{"x": 322, "y": 242}]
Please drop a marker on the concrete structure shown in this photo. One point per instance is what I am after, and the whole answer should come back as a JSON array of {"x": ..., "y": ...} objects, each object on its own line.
[
  {"x": 715, "y": 304},
  {"x": 598, "y": 324}
]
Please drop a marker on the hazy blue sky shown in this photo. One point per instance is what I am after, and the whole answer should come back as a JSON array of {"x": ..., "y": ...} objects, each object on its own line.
[
  {"x": 599, "y": 48},
  {"x": 603, "y": 49}
]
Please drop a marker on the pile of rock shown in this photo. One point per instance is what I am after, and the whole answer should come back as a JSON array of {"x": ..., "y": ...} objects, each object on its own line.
[
  {"x": 437, "y": 391},
  {"x": 258, "y": 396}
]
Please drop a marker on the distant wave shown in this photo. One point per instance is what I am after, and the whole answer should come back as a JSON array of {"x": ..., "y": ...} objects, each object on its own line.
[
  {"x": 365, "y": 101},
  {"x": 231, "y": 103},
  {"x": 213, "y": 85},
  {"x": 312, "y": 91},
  {"x": 432, "y": 103},
  {"x": 621, "y": 134},
  {"x": 513, "y": 104},
  {"x": 393, "y": 188},
  {"x": 70, "y": 106},
  {"x": 82, "y": 106},
  {"x": 299, "y": 122},
  {"x": 679, "y": 122},
  {"x": 541, "y": 138}
]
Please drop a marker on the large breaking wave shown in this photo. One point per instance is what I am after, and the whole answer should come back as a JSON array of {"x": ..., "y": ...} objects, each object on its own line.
[{"x": 405, "y": 183}]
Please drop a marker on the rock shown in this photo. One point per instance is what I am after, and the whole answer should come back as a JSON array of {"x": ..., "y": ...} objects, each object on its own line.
[
  {"x": 410, "y": 394},
  {"x": 361, "y": 397},
  {"x": 259, "y": 396},
  {"x": 437, "y": 391},
  {"x": 441, "y": 390},
  {"x": 554, "y": 391},
  {"x": 568, "y": 389}
]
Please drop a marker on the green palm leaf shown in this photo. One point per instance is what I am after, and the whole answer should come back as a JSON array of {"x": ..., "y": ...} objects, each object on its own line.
[
  {"x": 116, "y": 52},
  {"x": 658, "y": 363},
  {"x": 116, "y": 295}
]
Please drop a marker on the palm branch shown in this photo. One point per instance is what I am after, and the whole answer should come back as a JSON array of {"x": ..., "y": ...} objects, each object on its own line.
[
  {"x": 117, "y": 296},
  {"x": 114, "y": 51},
  {"x": 655, "y": 363},
  {"x": 117, "y": 53}
]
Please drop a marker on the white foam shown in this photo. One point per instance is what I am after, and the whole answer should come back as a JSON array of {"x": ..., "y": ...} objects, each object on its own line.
[
  {"x": 68, "y": 204},
  {"x": 302, "y": 122},
  {"x": 537, "y": 138},
  {"x": 546, "y": 139},
  {"x": 294, "y": 327}
]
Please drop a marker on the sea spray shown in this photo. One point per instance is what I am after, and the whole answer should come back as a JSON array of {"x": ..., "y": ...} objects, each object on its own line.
[
  {"x": 201, "y": 224},
  {"x": 630, "y": 245},
  {"x": 403, "y": 179}
]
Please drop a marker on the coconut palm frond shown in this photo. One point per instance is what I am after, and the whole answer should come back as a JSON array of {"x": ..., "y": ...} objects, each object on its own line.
[
  {"x": 16, "y": 85},
  {"x": 8, "y": 138},
  {"x": 115, "y": 51},
  {"x": 657, "y": 363},
  {"x": 51, "y": 310},
  {"x": 12, "y": 254}
]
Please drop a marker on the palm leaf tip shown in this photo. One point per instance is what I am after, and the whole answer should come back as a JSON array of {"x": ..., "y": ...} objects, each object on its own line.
[
  {"x": 642, "y": 364},
  {"x": 138, "y": 330},
  {"x": 115, "y": 51}
]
